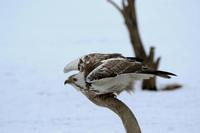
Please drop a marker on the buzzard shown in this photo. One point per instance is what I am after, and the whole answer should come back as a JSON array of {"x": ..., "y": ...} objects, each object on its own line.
[{"x": 109, "y": 73}]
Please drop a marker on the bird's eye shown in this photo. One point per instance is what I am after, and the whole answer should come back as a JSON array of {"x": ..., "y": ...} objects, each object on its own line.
[{"x": 74, "y": 79}]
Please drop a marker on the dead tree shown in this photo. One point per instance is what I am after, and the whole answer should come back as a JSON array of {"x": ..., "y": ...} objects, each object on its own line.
[
  {"x": 111, "y": 102},
  {"x": 128, "y": 11}
]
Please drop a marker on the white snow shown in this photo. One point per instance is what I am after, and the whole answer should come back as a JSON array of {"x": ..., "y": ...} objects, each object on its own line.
[{"x": 38, "y": 38}]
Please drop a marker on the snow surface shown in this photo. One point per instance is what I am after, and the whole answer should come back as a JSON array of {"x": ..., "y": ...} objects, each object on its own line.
[{"x": 37, "y": 38}]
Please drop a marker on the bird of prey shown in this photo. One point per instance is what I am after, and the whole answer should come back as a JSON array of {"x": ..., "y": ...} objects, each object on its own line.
[{"x": 109, "y": 73}]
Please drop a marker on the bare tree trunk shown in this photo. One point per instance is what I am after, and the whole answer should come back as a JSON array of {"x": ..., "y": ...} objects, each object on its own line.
[
  {"x": 110, "y": 101},
  {"x": 128, "y": 12}
]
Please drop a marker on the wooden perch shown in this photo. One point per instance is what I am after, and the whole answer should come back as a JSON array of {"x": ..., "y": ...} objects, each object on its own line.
[{"x": 111, "y": 102}]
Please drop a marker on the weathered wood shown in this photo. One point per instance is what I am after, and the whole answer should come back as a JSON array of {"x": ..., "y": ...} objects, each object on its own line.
[
  {"x": 171, "y": 87},
  {"x": 111, "y": 102}
]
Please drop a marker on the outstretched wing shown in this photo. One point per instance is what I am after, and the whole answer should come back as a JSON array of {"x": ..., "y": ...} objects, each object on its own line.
[{"x": 113, "y": 67}]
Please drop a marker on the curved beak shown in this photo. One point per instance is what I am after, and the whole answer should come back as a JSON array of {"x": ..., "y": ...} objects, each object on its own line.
[{"x": 68, "y": 81}]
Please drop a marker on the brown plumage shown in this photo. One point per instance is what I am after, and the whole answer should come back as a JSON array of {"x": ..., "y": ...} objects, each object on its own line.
[{"x": 108, "y": 73}]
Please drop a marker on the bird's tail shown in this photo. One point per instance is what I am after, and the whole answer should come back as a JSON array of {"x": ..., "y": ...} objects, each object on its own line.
[{"x": 163, "y": 74}]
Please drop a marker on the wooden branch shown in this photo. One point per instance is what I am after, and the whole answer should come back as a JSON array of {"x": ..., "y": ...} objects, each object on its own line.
[
  {"x": 130, "y": 18},
  {"x": 171, "y": 87},
  {"x": 111, "y": 102},
  {"x": 115, "y": 5},
  {"x": 157, "y": 62},
  {"x": 151, "y": 56}
]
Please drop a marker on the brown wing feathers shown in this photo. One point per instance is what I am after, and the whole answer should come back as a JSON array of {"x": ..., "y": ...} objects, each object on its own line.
[
  {"x": 112, "y": 68},
  {"x": 91, "y": 61},
  {"x": 98, "y": 66}
]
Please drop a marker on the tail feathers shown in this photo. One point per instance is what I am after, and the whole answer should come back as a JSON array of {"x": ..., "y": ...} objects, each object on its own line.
[{"x": 163, "y": 74}]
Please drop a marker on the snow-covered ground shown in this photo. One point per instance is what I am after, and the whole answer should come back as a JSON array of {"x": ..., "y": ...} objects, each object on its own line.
[{"x": 37, "y": 38}]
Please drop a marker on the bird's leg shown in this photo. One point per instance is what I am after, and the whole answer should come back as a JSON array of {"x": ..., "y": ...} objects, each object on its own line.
[
  {"x": 86, "y": 88},
  {"x": 88, "y": 85},
  {"x": 90, "y": 89}
]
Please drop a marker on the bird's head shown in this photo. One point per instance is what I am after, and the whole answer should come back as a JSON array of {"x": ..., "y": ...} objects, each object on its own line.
[
  {"x": 76, "y": 80},
  {"x": 71, "y": 80}
]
